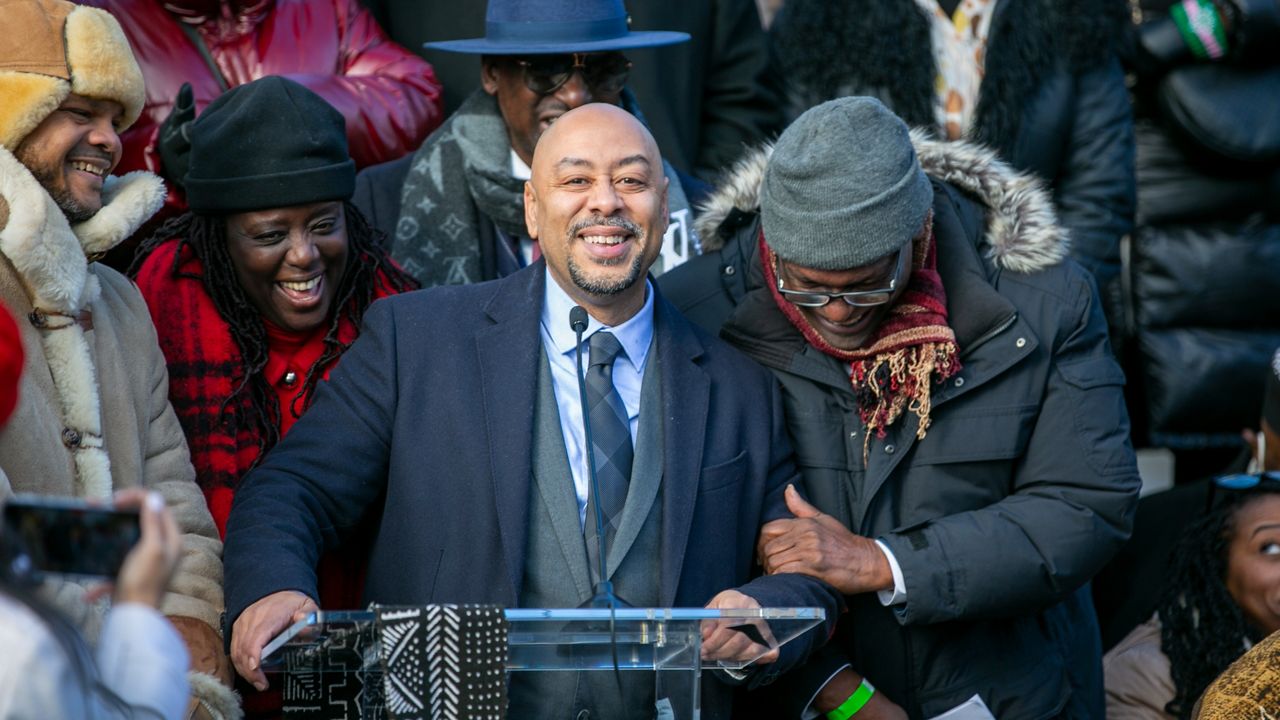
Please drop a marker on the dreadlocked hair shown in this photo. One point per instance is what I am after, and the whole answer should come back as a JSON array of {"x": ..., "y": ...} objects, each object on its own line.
[
  {"x": 369, "y": 269},
  {"x": 1203, "y": 630}
]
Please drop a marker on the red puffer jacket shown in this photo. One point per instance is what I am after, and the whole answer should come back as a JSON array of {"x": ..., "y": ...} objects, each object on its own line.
[{"x": 389, "y": 96}]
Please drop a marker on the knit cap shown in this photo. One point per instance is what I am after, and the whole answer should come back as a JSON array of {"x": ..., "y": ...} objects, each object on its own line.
[
  {"x": 843, "y": 187},
  {"x": 271, "y": 143},
  {"x": 50, "y": 49}
]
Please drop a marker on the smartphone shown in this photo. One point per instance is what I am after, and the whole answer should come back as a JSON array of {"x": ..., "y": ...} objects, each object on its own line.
[{"x": 68, "y": 537}]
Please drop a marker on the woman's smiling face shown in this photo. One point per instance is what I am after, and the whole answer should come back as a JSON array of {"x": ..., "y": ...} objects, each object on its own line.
[
  {"x": 290, "y": 261},
  {"x": 1253, "y": 562}
]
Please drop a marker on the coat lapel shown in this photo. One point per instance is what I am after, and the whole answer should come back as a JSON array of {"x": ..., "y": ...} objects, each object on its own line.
[
  {"x": 686, "y": 394},
  {"x": 552, "y": 477},
  {"x": 646, "y": 472},
  {"x": 507, "y": 353}
]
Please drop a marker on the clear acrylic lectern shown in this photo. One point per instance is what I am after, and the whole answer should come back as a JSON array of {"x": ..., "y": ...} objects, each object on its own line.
[{"x": 335, "y": 652}]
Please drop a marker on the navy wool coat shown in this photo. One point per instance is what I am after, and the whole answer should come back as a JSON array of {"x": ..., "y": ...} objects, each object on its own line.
[{"x": 427, "y": 422}]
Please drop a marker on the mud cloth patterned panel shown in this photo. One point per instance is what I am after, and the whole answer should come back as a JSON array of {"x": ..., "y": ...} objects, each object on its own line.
[
  {"x": 444, "y": 662},
  {"x": 340, "y": 679}
]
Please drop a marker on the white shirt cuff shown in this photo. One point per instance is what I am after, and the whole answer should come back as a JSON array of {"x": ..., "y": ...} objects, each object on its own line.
[
  {"x": 898, "y": 594},
  {"x": 812, "y": 713}
]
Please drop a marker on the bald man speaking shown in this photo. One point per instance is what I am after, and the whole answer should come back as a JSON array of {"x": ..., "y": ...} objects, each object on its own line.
[{"x": 456, "y": 419}]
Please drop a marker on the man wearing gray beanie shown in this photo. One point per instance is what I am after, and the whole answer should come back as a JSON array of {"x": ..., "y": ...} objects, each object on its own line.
[{"x": 955, "y": 408}]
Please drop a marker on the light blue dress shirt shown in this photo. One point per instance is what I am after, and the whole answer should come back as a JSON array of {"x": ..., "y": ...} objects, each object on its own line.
[{"x": 559, "y": 340}]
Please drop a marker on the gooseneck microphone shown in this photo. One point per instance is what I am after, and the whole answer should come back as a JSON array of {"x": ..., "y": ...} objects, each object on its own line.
[{"x": 603, "y": 596}]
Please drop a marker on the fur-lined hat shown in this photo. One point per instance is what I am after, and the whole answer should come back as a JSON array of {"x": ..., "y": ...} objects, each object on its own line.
[{"x": 50, "y": 49}]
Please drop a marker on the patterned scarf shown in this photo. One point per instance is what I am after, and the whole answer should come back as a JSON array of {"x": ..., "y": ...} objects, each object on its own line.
[
  {"x": 461, "y": 177},
  {"x": 205, "y": 367},
  {"x": 912, "y": 346}
]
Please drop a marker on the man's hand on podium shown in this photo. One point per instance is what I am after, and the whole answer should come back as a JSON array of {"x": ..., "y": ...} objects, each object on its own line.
[
  {"x": 259, "y": 623},
  {"x": 729, "y": 640}
]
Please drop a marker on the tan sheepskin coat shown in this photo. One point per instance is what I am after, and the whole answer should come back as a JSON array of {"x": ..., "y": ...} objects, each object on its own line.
[{"x": 109, "y": 382}]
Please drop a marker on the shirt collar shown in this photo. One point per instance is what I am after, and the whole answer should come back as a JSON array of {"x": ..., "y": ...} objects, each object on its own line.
[
  {"x": 519, "y": 170},
  {"x": 635, "y": 334}
]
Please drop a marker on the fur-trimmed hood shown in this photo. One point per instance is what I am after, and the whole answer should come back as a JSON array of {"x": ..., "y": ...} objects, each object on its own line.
[{"x": 1023, "y": 234}]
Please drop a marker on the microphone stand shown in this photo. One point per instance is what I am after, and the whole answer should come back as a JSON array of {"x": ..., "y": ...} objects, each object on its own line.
[{"x": 604, "y": 595}]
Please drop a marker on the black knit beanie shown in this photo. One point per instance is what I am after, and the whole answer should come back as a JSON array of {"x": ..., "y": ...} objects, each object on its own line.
[{"x": 269, "y": 144}]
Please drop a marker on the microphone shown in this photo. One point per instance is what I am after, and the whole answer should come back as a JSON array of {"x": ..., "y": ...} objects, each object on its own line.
[
  {"x": 578, "y": 321},
  {"x": 603, "y": 596}
]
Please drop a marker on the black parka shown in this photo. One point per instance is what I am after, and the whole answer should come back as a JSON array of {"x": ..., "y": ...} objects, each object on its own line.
[{"x": 1023, "y": 487}]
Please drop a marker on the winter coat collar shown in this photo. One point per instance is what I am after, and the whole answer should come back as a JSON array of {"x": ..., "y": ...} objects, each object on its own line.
[
  {"x": 50, "y": 253},
  {"x": 1023, "y": 234}
]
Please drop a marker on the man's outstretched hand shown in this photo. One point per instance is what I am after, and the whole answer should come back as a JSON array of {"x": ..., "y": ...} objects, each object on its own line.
[
  {"x": 722, "y": 640},
  {"x": 259, "y": 623},
  {"x": 813, "y": 543}
]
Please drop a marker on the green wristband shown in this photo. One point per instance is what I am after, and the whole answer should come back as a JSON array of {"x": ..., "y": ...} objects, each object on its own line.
[
  {"x": 1200, "y": 24},
  {"x": 856, "y": 701},
  {"x": 1188, "y": 33}
]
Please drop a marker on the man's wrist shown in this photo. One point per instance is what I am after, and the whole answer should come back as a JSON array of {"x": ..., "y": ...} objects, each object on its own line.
[
  {"x": 880, "y": 576},
  {"x": 854, "y": 702},
  {"x": 836, "y": 690},
  {"x": 896, "y": 592}
]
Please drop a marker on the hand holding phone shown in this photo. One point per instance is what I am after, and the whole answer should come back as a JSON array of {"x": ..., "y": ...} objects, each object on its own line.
[
  {"x": 67, "y": 537},
  {"x": 135, "y": 543}
]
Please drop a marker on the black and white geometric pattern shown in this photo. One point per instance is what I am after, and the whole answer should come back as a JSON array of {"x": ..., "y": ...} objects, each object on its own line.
[
  {"x": 444, "y": 662},
  {"x": 403, "y": 657},
  {"x": 340, "y": 679}
]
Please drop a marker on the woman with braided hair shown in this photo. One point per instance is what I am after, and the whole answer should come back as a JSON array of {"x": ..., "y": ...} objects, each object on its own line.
[
  {"x": 259, "y": 289},
  {"x": 1222, "y": 596}
]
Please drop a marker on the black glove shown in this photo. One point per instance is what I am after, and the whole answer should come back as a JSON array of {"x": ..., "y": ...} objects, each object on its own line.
[
  {"x": 1255, "y": 26},
  {"x": 1160, "y": 46},
  {"x": 174, "y": 141}
]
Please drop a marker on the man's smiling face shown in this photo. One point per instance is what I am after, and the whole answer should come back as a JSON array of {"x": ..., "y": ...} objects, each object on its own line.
[
  {"x": 73, "y": 151},
  {"x": 597, "y": 205}
]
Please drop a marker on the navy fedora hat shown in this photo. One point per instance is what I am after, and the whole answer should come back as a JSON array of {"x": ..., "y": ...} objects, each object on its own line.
[{"x": 542, "y": 27}]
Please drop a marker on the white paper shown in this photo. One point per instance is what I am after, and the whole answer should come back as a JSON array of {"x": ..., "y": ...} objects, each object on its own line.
[
  {"x": 971, "y": 709},
  {"x": 665, "y": 711}
]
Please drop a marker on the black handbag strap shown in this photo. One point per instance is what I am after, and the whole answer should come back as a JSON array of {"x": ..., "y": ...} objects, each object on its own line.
[{"x": 194, "y": 36}]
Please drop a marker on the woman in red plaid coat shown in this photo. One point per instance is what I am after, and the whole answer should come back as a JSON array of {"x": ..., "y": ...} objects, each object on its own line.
[{"x": 259, "y": 289}]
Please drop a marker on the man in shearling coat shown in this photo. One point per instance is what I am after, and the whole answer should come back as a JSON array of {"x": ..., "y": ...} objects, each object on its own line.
[{"x": 93, "y": 413}]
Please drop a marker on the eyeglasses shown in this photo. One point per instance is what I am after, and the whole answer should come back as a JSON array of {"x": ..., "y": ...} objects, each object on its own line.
[
  {"x": 1239, "y": 482},
  {"x": 1246, "y": 481},
  {"x": 605, "y": 74},
  {"x": 856, "y": 298}
]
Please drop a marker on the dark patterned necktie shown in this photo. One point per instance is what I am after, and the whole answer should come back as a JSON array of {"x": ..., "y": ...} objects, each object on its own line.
[{"x": 611, "y": 438}]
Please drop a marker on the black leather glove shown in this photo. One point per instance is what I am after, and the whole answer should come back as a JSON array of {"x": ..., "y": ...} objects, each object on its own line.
[
  {"x": 1160, "y": 46},
  {"x": 174, "y": 141},
  {"x": 1255, "y": 30}
]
